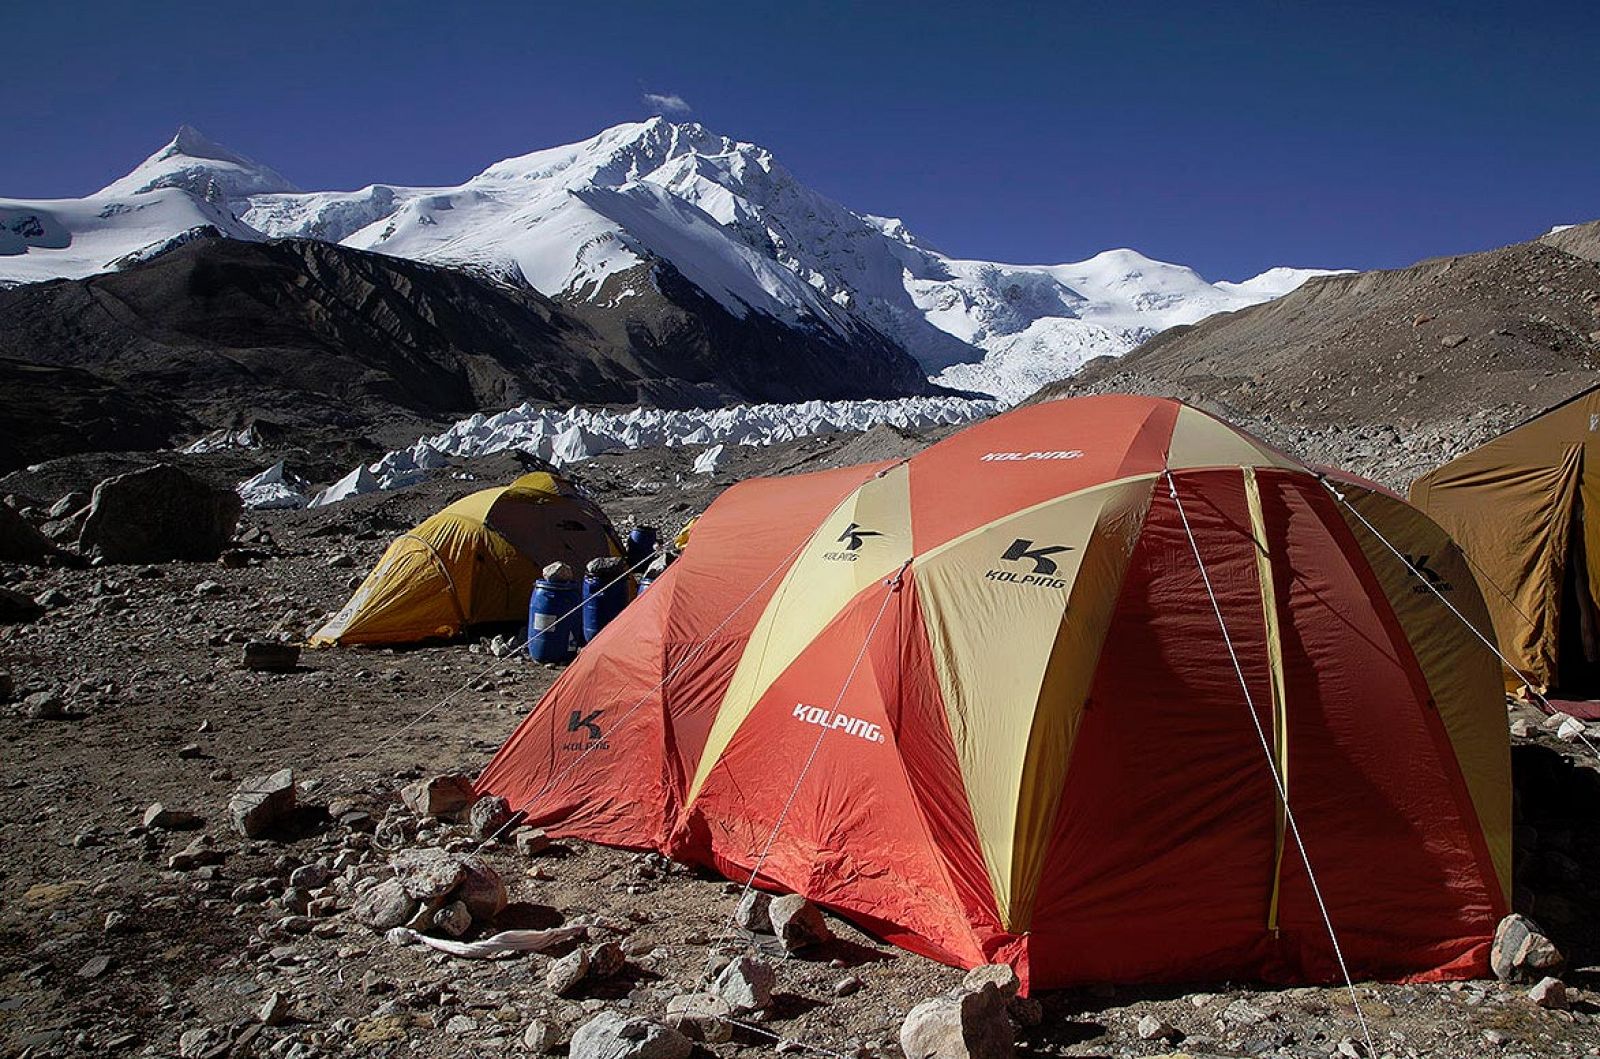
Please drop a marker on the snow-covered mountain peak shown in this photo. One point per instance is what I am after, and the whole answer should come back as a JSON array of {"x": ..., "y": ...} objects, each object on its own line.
[
  {"x": 201, "y": 166},
  {"x": 650, "y": 195}
]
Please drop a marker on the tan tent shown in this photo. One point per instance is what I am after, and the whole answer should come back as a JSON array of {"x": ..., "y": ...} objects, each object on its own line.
[
  {"x": 1517, "y": 506},
  {"x": 472, "y": 563}
]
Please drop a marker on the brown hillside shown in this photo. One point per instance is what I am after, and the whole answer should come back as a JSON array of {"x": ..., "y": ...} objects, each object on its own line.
[{"x": 1389, "y": 373}]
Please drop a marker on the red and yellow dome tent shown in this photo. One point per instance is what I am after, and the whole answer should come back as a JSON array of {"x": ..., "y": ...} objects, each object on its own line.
[{"x": 984, "y": 702}]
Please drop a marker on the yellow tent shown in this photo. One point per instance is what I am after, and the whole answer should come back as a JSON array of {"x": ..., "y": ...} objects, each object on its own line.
[
  {"x": 472, "y": 563},
  {"x": 1516, "y": 505}
]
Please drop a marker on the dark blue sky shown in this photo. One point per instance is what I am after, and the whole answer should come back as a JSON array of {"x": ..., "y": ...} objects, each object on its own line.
[{"x": 1228, "y": 136}]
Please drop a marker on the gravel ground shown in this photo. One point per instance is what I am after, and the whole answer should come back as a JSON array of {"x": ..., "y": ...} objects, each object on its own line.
[{"x": 146, "y": 663}]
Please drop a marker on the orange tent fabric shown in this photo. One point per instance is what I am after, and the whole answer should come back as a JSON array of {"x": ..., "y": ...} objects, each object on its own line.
[{"x": 986, "y": 696}]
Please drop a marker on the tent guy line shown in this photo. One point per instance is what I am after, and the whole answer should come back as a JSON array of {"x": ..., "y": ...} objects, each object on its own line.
[
  {"x": 891, "y": 586},
  {"x": 1266, "y": 748},
  {"x": 495, "y": 666},
  {"x": 1527, "y": 681}
]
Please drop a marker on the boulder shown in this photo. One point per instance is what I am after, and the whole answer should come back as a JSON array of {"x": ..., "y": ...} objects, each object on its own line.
[
  {"x": 1521, "y": 951},
  {"x": 17, "y": 609},
  {"x": 270, "y": 656},
  {"x": 797, "y": 922},
  {"x": 1000, "y": 975},
  {"x": 962, "y": 1024},
  {"x": 611, "y": 1035},
  {"x": 262, "y": 803},
  {"x": 489, "y": 815},
  {"x": 746, "y": 985},
  {"x": 69, "y": 504},
  {"x": 19, "y": 541},
  {"x": 158, "y": 514},
  {"x": 438, "y": 796},
  {"x": 700, "y": 1017},
  {"x": 428, "y": 875},
  {"x": 752, "y": 914}
]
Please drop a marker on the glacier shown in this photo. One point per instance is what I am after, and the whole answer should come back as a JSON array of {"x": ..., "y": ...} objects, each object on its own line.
[{"x": 563, "y": 437}]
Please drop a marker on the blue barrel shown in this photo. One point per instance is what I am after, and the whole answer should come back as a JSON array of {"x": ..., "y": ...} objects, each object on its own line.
[
  {"x": 641, "y": 542},
  {"x": 601, "y": 603},
  {"x": 644, "y": 583},
  {"x": 552, "y": 637}
]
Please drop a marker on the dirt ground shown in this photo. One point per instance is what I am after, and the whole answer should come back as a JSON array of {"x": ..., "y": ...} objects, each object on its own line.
[{"x": 105, "y": 950}]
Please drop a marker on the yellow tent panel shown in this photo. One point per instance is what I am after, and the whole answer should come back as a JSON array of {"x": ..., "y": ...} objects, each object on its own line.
[
  {"x": 472, "y": 563},
  {"x": 1518, "y": 507}
]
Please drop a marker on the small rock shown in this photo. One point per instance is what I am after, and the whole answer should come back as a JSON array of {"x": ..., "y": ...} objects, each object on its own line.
[
  {"x": 453, "y": 919},
  {"x": 1452, "y": 341},
  {"x": 1522, "y": 952},
  {"x": 606, "y": 960},
  {"x": 482, "y": 889},
  {"x": 700, "y": 1017},
  {"x": 210, "y": 588},
  {"x": 438, "y": 796},
  {"x": 752, "y": 914},
  {"x": 1549, "y": 993},
  {"x": 610, "y": 1035},
  {"x": 262, "y": 803},
  {"x": 196, "y": 854},
  {"x": 117, "y": 923},
  {"x": 797, "y": 922},
  {"x": 541, "y": 1037},
  {"x": 962, "y": 1024},
  {"x": 95, "y": 967},
  {"x": 488, "y": 815},
  {"x": 158, "y": 817},
  {"x": 310, "y": 877},
  {"x": 275, "y": 1010},
  {"x": 1153, "y": 1029},
  {"x": 746, "y": 984},
  {"x": 1243, "y": 1013},
  {"x": 567, "y": 973},
  {"x": 847, "y": 986},
  {"x": 531, "y": 841},
  {"x": 44, "y": 706},
  {"x": 192, "y": 1044}
]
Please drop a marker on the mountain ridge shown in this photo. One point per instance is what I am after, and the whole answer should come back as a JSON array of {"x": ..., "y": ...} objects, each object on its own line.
[{"x": 723, "y": 213}]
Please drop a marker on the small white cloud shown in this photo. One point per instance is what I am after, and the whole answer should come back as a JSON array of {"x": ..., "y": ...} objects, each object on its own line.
[{"x": 667, "y": 104}]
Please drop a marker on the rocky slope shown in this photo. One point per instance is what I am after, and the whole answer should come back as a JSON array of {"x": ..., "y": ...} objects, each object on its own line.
[
  {"x": 339, "y": 344},
  {"x": 1390, "y": 373}
]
